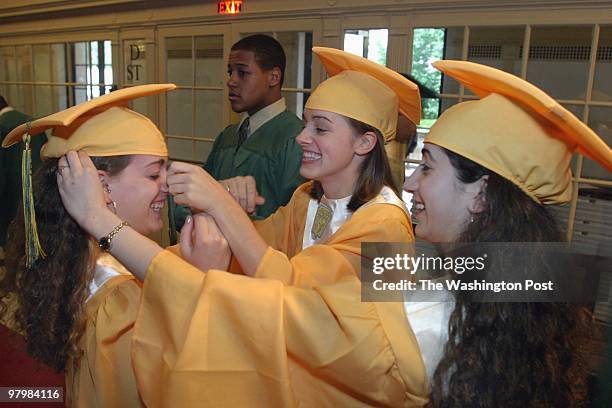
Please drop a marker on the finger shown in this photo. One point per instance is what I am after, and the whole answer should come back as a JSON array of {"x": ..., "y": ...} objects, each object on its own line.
[
  {"x": 259, "y": 200},
  {"x": 232, "y": 187},
  {"x": 251, "y": 193},
  {"x": 74, "y": 163},
  {"x": 186, "y": 244},
  {"x": 86, "y": 161},
  {"x": 181, "y": 167},
  {"x": 201, "y": 227},
  {"x": 242, "y": 193},
  {"x": 177, "y": 178}
]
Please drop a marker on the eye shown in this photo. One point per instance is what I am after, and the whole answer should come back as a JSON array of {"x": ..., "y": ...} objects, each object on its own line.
[
  {"x": 154, "y": 177},
  {"x": 424, "y": 167},
  {"x": 320, "y": 130}
]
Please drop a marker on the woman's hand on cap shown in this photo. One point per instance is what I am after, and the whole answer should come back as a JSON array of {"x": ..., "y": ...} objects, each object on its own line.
[{"x": 80, "y": 189}]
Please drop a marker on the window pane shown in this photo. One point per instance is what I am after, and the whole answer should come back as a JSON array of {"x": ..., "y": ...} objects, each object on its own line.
[
  {"x": 80, "y": 53},
  {"x": 297, "y": 46},
  {"x": 179, "y": 61},
  {"x": 209, "y": 116},
  {"x": 593, "y": 222},
  {"x": 202, "y": 150},
  {"x": 59, "y": 74},
  {"x": 179, "y": 112},
  {"x": 602, "y": 86},
  {"x": 559, "y": 53},
  {"x": 24, "y": 73},
  {"x": 370, "y": 44},
  {"x": 210, "y": 67},
  {"x": 498, "y": 47},
  {"x": 600, "y": 120},
  {"x": 453, "y": 49},
  {"x": 427, "y": 47},
  {"x": 180, "y": 149}
]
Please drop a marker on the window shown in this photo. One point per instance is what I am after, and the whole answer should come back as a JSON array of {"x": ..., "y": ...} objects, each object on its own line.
[{"x": 370, "y": 44}]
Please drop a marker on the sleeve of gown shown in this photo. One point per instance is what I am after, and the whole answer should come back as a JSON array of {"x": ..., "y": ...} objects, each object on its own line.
[
  {"x": 341, "y": 256},
  {"x": 220, "y": 339},
  {"x": 106, "y": 377}
]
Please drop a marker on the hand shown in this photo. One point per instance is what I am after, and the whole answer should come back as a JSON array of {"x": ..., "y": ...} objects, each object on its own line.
[
  {"x": 193, "y": 186},
  {"x": 203, "y": 245},
  {"x": 244, "y": 190},
  {"x": 80, "y": 189}
]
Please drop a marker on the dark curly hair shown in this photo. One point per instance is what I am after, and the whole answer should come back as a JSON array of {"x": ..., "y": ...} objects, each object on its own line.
[
  {"x": 48, "y": 300},
  {"x": 374, "y": 174},
  {"x": 511, "y": 354}
]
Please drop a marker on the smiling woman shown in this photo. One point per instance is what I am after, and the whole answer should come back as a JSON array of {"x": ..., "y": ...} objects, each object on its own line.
[{"x": 75, "y": 304}]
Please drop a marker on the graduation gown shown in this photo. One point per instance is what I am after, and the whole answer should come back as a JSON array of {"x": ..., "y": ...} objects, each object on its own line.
[
  {"x": 104, "y": 376},
  {"x": 219, "y": 339},
  {"x": 379, "y": 220}
]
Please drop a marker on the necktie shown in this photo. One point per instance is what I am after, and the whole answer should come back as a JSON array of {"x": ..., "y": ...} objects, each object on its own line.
[
  {"x": 243, "y": 132},
  {"x": 321, "y": 226}
]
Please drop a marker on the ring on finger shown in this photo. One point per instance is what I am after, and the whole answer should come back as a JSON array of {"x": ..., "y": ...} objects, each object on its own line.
[{"x": 61, "y": 168}]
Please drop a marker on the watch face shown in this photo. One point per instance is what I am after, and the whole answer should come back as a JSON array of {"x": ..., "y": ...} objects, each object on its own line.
[{"x": 104, "y": 243}]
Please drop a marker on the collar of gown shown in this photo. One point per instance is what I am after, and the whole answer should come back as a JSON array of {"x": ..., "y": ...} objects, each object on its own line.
[{"x": 341, "y": 214}]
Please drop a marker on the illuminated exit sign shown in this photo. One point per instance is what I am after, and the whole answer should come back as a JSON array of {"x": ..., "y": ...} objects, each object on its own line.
[{"x": 229, "y": 7}]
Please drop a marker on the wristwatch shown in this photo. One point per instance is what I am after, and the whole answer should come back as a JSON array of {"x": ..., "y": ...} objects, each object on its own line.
[{"x": 106, "y": 243}]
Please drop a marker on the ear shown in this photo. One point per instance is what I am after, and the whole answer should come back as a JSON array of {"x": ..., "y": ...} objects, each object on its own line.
[
  {"x": 274, "y": 77},
  {"x": 478, "y": 190},
  {"x": 365, "y": 143},
  {"x": 104, "y": 180}
]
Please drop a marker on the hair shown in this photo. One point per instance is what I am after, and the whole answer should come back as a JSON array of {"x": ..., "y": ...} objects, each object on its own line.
[
  {"x": 269, "y": 53},
  {"x": 48, "y": 300},
  {"x": 374, "y": 172},
  {"x": 3, "y": 102},
  {"x": 511, "y": 354}
]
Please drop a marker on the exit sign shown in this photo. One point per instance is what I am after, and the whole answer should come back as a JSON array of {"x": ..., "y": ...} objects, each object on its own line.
[{"x": 229, "y": 7}]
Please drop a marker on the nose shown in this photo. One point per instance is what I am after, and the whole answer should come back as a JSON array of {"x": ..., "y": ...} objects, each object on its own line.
[
  {"x": 411, "y": 183},
  {"x": 231, "y": 80},
  {"x": 302, "y": 138}
]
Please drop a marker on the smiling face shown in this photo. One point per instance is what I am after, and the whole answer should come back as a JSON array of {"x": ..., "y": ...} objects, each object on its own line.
[
  {"x": 442, "y": 204},
  {"x": 140, "y": 191},
  {"x": 250, "y": 87},
  {"x": 332, "y": 152}
]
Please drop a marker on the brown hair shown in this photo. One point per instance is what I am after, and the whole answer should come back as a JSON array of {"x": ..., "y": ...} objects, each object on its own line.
[{"x": 49, "y": 298}]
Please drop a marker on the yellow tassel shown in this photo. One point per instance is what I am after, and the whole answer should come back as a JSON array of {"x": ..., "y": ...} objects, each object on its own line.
[{"x": 33, "y": 248}]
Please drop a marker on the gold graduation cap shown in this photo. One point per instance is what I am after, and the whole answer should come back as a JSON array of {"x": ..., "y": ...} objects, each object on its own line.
[
  {"x": 103, "y": 126},
  {"x": 364, "y": 90},
  {"x": 517, "y": 131}
]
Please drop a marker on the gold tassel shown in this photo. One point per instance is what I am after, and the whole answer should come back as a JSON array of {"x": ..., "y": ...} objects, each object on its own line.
[{"x": 33, "y": 248}]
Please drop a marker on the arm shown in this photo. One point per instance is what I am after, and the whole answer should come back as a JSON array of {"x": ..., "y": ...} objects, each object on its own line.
[
  {"x": 192, "y": 186},
  {"x": 231, "y": 332}
]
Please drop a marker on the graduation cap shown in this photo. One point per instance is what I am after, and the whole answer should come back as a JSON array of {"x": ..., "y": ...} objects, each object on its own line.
[
  {"x": 517, "y": 131},
  {"x": 103, "y": 126},
  {"x": 364, "y": 90}
]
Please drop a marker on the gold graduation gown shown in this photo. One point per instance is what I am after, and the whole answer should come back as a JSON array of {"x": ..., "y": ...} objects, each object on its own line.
[
  {"x": 284, "y": 260},
  {"x": 217, "y": 339},
  {"x": 104, "y": 376}
]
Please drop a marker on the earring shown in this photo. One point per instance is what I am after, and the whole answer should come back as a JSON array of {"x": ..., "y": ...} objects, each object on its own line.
[
  {"x": 107, "y": 189},
  {"x": 471, "y": 219},
  {"x": 114, "y": 205}
]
